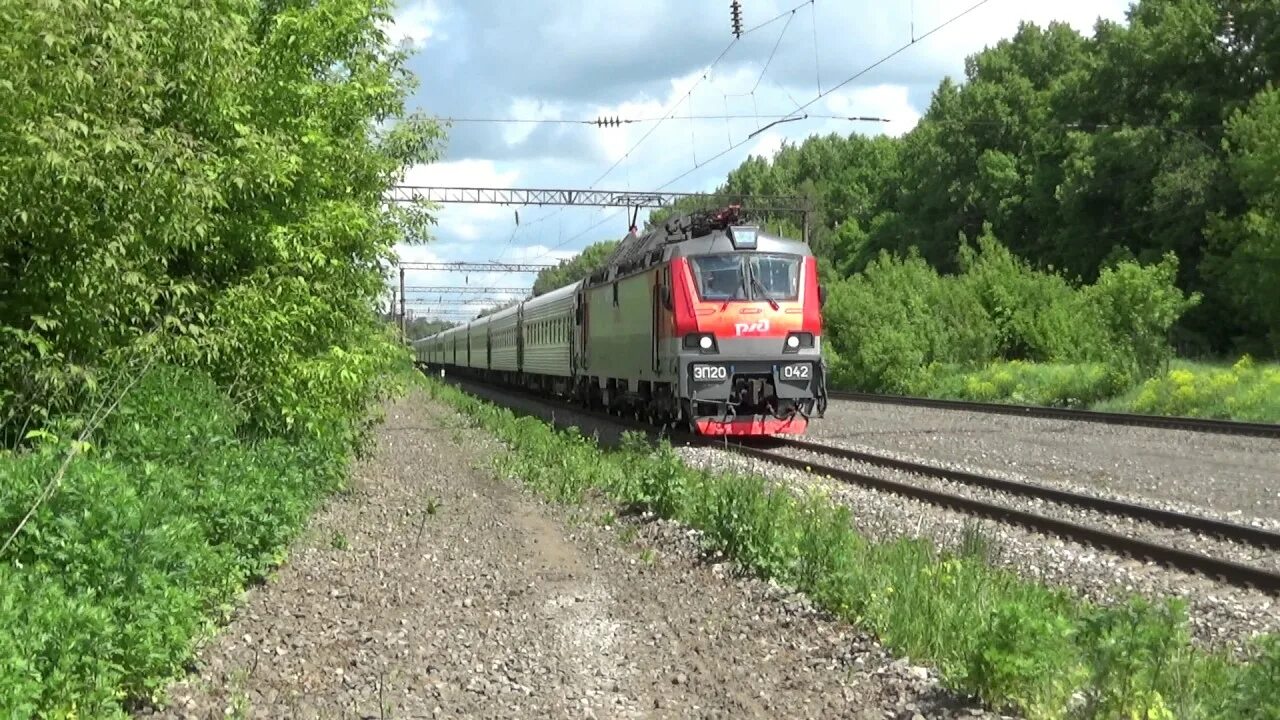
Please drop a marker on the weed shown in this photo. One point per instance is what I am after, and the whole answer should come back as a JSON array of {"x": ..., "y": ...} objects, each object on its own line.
[{"x": 339, "y": 541}]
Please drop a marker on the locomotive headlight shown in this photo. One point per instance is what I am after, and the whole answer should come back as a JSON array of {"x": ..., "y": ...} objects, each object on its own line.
[
  {"x": 795, "y": 341},
  {"x": 703, "y": 342}
]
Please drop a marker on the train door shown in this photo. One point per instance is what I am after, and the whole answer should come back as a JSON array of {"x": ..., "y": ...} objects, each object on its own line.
[
  {"x": 580, "y": 330},
  {"x": 520, "y": 338},
  {"x": 655, "y": 325}
]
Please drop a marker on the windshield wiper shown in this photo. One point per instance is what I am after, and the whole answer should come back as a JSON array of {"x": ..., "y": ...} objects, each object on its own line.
[{"x": 759, "y": 286}]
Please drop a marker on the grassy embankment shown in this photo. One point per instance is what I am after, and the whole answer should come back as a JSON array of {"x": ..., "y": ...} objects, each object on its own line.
[
  {"x": 1244, "y": 390},
  {"x": 123, "y": 554},
  {"x": 1012, "y": 642}
]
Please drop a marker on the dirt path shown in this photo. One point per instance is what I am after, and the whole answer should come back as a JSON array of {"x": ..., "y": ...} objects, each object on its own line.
[{"x": 433, "y": 589}]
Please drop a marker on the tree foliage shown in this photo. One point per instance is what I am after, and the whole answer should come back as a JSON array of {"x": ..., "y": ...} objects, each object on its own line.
[
  {"x": 191, "y": 209},
  {"x": 1149, "y": 137},
  {"x": 212, "y": 172},
  {"x": 575, "y": 268}
]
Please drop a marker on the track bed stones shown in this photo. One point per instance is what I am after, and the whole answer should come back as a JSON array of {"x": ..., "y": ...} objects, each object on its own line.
[
  {"x": 1228, "y": 476},
  {"x": 1220, "y": 615},
  {"x": 433, "y": 589}
]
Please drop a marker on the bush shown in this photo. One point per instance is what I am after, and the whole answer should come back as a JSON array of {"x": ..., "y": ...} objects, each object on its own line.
[
  {"x": 1137, "y": 305},
  {"x": 899, "y": 327},
  {"x": 144, "y": 543},
  {"x": 1038, "y": 316},
  {"x": 897, "y": 317},
  {"x": 1243, "y": 392}
]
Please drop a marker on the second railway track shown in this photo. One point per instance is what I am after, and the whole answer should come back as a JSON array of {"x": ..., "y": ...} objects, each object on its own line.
[
  {"x": 1167, "y": 422},
  {"x": 1236, "y": 532}
]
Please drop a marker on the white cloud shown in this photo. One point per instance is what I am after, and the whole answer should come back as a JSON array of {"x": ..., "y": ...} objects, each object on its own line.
[
  {"x": 851, "y": 36},
  {"x": 415, "y": 24},
  {"x": 464, "y": 219}
]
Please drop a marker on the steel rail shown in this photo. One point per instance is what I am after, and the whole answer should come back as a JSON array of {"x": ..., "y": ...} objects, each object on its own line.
[
  {"x": 1171, "y": 422},
  {"x": 1226, "y": 570},
  {"x": 1260, "y": 537}
]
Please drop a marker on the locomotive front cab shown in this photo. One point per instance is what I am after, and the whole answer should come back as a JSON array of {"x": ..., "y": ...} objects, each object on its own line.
[{"x": 748, "y": 314}]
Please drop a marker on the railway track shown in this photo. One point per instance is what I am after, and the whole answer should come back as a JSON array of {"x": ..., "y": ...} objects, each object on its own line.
[
  {"x": 1225, "y": 570},
  {"x": 1169, "y": 422},
  {"x": 1222, "y": 569}
]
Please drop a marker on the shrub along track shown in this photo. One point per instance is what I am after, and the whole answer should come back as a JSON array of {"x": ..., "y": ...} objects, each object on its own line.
[
  {"x": 1207, "y": 425},
  {"x": 1167, "y": 553}
]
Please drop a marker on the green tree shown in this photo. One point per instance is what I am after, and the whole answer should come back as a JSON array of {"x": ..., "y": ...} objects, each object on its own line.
[
  {"x": 574, "y": 269},
  {"x": 213, "y": 171},
  {"x": 1245, "y": 253}
]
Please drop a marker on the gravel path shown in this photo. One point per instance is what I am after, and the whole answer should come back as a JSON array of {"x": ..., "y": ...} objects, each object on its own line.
[
  {"x": 1221, "y": 616},
  {"x": 1235, "y": 478},
  {"x": 434, "y": 589}
]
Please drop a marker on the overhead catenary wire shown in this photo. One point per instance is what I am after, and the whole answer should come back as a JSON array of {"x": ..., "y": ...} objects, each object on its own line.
[
  {"x": 672, "y": 108},
  {"x": 792, "y": 115},
  {"x": 613, "y": 121},
  {"x": 895, "y": 53}
]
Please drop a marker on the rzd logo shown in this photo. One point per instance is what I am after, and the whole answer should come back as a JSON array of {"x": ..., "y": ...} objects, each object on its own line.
[{"x": 752, "y": 327}]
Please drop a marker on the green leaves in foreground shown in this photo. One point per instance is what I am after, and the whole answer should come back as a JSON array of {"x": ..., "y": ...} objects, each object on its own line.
[
  {"x": 211, "y": 173},
  {"x": 1013, "y": 643},
  {"x": 143, "y": 545}
]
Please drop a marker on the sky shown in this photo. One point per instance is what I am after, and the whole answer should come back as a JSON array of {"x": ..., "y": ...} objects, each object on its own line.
[{"x": 657, "y": 60}]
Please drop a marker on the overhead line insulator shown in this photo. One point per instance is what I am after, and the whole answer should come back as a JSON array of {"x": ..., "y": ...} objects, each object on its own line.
[{"x": 735, "y": 15}]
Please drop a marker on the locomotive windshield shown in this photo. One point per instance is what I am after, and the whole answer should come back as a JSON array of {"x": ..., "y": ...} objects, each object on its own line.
[{"x": 725, "y": 277}]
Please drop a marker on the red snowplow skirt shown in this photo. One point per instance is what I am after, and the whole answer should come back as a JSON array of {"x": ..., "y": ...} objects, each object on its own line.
[{"x": 752, "y": 426}]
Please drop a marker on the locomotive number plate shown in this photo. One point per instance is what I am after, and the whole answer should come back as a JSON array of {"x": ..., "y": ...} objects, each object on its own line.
[
  {"x": 799, "y": 371},
  {"x": 710, "y": 373}
]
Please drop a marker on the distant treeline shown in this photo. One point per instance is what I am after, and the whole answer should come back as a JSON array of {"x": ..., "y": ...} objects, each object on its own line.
[{"x": 1158, "y": 135}]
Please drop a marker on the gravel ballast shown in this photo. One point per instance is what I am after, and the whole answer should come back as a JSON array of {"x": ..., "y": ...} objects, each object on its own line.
[
  {"x": 1230, "y": 477},
  {"x": 1248, "y": 554},
  {"x": 1220, "y": 615},
  {"x": 434, "y": 589}
]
